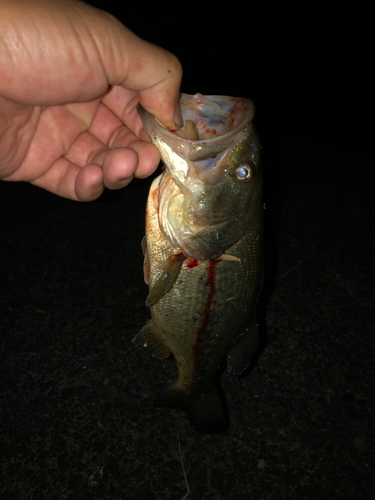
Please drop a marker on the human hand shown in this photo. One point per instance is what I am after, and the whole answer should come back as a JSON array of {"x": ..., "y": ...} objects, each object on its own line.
[{"x": 70, "y": 80}]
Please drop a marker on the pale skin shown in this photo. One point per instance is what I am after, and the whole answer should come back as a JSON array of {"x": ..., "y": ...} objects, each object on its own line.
[{"x": 70, "y": 80}]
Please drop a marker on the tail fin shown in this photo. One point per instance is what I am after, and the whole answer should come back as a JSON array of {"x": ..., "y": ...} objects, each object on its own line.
[{"x": 207, "y": 413}]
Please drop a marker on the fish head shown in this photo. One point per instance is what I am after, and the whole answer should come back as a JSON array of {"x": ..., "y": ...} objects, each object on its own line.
[{"x": 212, "y": 185}]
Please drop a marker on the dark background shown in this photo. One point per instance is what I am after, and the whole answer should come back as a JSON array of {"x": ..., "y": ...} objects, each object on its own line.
[
  {"x": 76, "y": 415},
  {"x": 308, "y": 66}
]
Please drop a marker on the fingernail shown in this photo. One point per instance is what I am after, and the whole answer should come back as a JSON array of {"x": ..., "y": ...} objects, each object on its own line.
[
  {"x": 126, "y": 180},
  {"x": 98, "y": 186}
]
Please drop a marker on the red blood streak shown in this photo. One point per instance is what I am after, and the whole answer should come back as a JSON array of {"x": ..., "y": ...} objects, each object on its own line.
[
  {"x": 211, "y": 283},
  {"x": 192, "y": 263}
]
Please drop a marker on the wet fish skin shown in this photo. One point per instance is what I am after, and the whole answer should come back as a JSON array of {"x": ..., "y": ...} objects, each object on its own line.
[{"x": 209, "y": 310}]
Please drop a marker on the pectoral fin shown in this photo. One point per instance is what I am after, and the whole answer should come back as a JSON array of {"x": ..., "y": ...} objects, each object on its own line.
[
  {"x": 240, "y": 355},
  {"x": 149, "y": 339},
  {"x": 227, "y": 256},
  {"x": 167, "y": 279}
]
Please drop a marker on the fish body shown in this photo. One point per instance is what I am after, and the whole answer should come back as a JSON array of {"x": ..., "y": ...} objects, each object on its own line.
[{"x": 203, "y": 251}]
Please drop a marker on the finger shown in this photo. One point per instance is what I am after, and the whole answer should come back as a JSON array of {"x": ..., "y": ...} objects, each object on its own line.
[
  {"x": 89, "y": 183},
  {"x": 148, "y": 158},
  {"x": 121, "y": 162},
  {"x": 70, "y": 181},
  {"x": 158, "y": 85},
  {"x": 105, "y": 133},
  {"x": 123, "y": 103},
  {"x": 104, "y": 124},
  {"x": 161, "y": 100},
  {"x": 84, "y": 149},
  {"x": 120, "y": 165},
  {"x": 152, "y": 72},
  {"x": 113, "y": 168},
  {"x": 108, "y": 124},
  {"x": 57, "y": 130}
]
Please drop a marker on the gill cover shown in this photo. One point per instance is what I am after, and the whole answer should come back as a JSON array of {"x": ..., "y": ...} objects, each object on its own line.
[{"x": 205, "y": 200}]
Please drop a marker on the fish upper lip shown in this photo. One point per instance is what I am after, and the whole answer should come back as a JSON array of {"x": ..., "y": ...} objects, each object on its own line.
[{"x": 200, "y": 142}]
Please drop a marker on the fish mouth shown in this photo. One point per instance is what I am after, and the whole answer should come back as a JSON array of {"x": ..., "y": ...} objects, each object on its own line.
[
  {"x": 219, "y": 120},
  {"x": 200, "y": 201}
]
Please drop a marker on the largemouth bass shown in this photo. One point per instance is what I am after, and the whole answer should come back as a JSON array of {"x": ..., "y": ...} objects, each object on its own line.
[{"x": 203, "y": 250}]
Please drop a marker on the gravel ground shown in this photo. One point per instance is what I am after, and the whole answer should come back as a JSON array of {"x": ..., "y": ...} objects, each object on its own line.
[{"x": 76, "y": 414}]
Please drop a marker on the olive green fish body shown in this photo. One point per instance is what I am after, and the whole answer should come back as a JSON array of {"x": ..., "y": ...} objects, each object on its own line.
[{"x": 207, "y": 311}]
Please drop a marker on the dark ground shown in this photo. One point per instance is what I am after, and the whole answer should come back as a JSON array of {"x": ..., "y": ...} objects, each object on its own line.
[
  {"x": 76, "y": 414},
  {"x": 76, "y": 398}
]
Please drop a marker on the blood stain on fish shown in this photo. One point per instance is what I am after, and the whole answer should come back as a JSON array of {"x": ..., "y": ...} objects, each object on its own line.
[
  {"x": 192, "y": 263},
  {"x": 211, "y": 283}
]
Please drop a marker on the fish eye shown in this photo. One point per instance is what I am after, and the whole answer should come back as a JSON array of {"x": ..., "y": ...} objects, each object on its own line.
[{"x": 244, "y": 172}]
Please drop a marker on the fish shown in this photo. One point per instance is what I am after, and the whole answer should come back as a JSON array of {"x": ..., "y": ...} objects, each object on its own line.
[{"x": 203, "y": 251}]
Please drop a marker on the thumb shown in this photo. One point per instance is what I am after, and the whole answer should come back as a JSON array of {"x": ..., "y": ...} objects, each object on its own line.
[
  {"x": 161, "y": 97},
  {"x": 151, "y": 71}
]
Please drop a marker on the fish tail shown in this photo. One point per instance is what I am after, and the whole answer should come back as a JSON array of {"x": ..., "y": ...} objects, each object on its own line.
[{"x": 207, "y": 413}]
